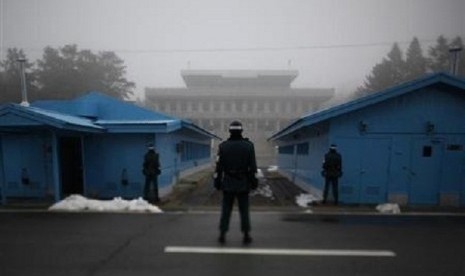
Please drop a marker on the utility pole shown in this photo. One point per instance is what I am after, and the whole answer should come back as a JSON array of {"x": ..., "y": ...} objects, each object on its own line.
[
  {"x": 454, "y": 59},
  {"x": 2, "y": 16},
  {"x": 22, "y": 72}
]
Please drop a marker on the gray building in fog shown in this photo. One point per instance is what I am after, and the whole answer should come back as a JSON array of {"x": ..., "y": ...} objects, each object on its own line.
[{"x": 263, "y": 100}]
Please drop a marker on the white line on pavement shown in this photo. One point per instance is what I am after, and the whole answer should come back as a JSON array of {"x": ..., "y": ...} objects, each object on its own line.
[{"x": 285, "y": 252}]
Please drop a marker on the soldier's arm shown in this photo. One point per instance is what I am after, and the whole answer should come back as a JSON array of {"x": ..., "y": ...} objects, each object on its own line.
[
  {"x": 253, "y": 169},
  {"x": 219, "y": 170},
  {"x": 252, "y": 159},
  {"x": 253, "y": 165},
  {"x": 157, "y": 163}
]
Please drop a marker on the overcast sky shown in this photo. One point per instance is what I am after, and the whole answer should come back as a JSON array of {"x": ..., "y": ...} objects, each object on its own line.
[{"x": 332, "y": 43}]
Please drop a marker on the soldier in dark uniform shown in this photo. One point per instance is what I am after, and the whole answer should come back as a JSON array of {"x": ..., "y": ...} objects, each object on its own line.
[
  {"x": 151, "y": 170},
  {"x": 332, "y": 170},
  {"x": 235, "y": 176}
]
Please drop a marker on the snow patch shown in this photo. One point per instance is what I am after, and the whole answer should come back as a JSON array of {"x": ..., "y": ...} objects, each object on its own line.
[
  {"x": 76, "y": 203},
  {"x": 272, "y": 168},
  {"x": 304, "y": 200},
  {"x": 260, "y": 173},
  {"x": 263, "y": 190},
  {"x": 388, "y": 208}
]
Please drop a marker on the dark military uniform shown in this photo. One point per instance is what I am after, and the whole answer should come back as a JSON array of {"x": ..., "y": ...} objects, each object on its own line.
[
  {"x": 235, "y": 176},
  {"x": 332, "y": 170},
  {"x": 151, "y": 170}
]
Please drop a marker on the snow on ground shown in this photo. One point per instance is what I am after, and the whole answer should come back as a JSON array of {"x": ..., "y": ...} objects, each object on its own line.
[
  {"x": 388, "y": 208},
  {"x": 304, "y": 200},
  {"x": 272, "y": 168},
  {"x": 260, "y": 173},
  {"x": 78, "y": 203},
  {"x": 263, "y": 190}
]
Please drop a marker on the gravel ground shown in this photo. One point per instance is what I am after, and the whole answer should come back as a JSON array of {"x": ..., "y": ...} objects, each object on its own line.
[{"x": 197, "y": 192}]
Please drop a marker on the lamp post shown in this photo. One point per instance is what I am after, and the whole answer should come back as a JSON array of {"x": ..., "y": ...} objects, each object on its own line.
[
  {"x": 455, "y": 56},
  {"x": 24, "y": 101}
]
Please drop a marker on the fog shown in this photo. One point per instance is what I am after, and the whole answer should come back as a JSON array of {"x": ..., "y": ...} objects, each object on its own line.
[{"x": 331, "y": 43}]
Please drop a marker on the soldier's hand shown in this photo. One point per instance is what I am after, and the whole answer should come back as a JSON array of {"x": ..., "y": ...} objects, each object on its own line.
[{"x": 254, "y": 183}]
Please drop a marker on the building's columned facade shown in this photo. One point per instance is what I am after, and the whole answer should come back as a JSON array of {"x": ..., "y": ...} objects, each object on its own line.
[{"x": 262, "y": 100}]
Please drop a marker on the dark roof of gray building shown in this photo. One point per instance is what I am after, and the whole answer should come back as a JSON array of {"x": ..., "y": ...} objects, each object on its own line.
[{"x": 209, "y": 78}]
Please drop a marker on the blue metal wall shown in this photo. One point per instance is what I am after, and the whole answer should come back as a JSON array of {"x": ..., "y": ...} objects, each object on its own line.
[
  {"x": 409, "y": 149},
  {"x": 112, "y": 158},
  {"x": 113, "y": 164},
  {"x": 178, "y": 156},
  {"x": 60, "y": 154},
  {"x": 304, "y": 166},
  {"x": 405, "y": 150},
  {"x": 26, "y": 162}
]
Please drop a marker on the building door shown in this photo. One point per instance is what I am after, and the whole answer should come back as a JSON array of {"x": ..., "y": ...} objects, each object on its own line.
[
  {"x": 425, "y": 175},
  {"x": 374, "y": 170},
  {"x": 71, "y": 166},
  {"x": 453, "y": 174},
  {"x": 349, "y": 183},
  {"x": 365, "y": 165}
]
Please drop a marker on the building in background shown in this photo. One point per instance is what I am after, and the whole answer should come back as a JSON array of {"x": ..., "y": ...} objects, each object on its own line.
[
  {"x": 92, "y": 145},
  {"x": 405, "y": 145},
  {"x": 263, "y": 101}
]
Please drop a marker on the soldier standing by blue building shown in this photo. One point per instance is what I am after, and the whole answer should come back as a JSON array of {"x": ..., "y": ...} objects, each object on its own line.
[
  {"x": 235, "y": 176},
  {"x": 332, "y": 170},
  {"x": 151, "y": 170}
]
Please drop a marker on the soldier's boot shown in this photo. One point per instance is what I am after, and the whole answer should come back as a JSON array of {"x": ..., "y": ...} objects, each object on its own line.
[
  {"x": 222, "y": 238},
  {"x": 247, "y": 239}
]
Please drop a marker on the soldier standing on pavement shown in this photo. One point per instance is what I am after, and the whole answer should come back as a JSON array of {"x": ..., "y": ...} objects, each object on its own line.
[
  {"x": 235, "y": 176},
  {"x": 151, "y": 170},
  {"x": 332, "y": 170}
]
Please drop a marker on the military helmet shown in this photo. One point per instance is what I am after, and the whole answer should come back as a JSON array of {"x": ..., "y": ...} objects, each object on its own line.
[{"x": 235, "y": 126}]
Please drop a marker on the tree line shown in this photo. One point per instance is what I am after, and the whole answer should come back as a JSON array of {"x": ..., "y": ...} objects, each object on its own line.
[
  {"x": 67, "y": 72},
  {"x": 64, "y": 73},
  {"x": 395, "y": 68}
]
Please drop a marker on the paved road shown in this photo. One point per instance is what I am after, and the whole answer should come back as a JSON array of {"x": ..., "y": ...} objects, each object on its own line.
[{"x": 42, "y": 243}]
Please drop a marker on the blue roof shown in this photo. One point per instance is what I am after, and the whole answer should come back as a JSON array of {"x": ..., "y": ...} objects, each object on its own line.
[
  {"x": 46, "y": 117},
  {"x": 102, "y": 107},
  {"x": 371, "y": 99},
  {"x": 96, "y": 111}
]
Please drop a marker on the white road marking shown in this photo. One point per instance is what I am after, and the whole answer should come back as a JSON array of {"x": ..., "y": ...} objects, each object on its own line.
[{"x": 283, "y": 252}]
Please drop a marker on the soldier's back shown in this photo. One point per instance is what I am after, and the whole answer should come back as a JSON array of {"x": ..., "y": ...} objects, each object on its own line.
[{"x": 236, "y": 153}]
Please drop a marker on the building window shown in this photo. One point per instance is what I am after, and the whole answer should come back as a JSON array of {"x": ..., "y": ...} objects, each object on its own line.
[
  {"x": 302, "y": 149},
  {"x": 227, "y": 107},
  {"x": 192, "y": 151},
  {"x": 286, "y": 149},
  {"x": 266, "y": 107},
  {"x": 427, "y": 151},
  {"x": 253, "y": 107},
  {"x": 454, "y": 147},
  {"x": 216, "y": 106},
  {"x": 245, "y": 106},
  {"x": 288, "y": 107}
]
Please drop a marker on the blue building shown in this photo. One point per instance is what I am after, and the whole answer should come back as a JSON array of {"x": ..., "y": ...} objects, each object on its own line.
[
  {"x": 93, "y": 145},
  {"x": 405, "y": 145}
]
